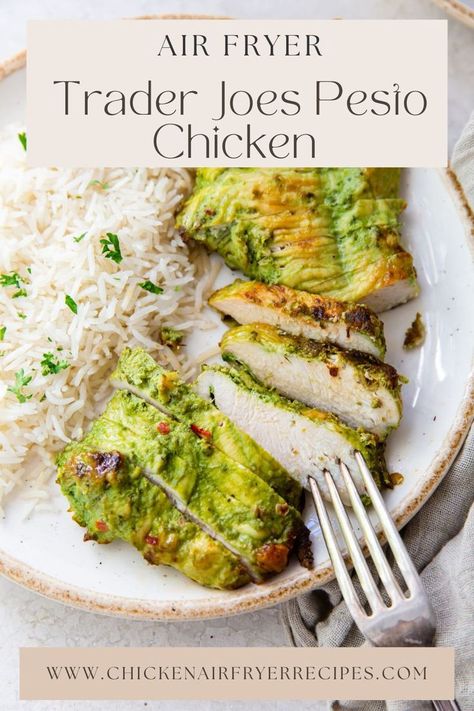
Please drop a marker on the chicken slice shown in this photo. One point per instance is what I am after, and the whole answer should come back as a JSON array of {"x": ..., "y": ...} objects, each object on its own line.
[
  {"x": 305, "y": 441},
  {"x": 303, "y": 314},
  {"x": 224, "y": 498},
  {"x": 140, "y": 374},
  {"x": 328, "y": 231},
  {"x": 111, "y": 498},
  {"x": 358, "y": 388}
]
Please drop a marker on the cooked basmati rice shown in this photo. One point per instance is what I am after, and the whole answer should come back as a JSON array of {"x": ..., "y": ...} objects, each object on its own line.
[{"x": 42, "y": 210}]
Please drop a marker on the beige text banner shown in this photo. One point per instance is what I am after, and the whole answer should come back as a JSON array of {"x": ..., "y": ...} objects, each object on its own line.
[
  {"x": 236, "y": 673},
  {"x": 237, "y": 93}
]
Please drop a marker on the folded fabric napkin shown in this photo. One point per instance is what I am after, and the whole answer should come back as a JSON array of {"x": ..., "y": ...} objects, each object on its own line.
[
  {"x": 440, "y": 540},
  {"x": 462, "y": 162}
]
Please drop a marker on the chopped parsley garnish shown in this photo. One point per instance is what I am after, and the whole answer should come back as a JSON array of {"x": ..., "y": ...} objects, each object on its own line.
[
  {"x": 12, "y": 279},
  {"x": 149, "y": 286},
  {"x": 3, "y": 330},
  {"x": 22, "y": 139},
  {"x": 21, "y": 381},
  {"x": 50, "y": 365},
  {"x": 79, "y": 238},
  {"x": 100, "y": 184},
  {"x": 21, "y": 314},
  {"x": 111, "y": 247},
  {"x": 69, "y": 301}
]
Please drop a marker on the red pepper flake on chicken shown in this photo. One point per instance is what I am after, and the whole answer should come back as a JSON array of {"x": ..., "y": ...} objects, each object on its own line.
[{"x": 200, "y": 432}]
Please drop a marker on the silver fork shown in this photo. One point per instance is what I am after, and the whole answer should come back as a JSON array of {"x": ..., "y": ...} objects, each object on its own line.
[{"x": 409, "y": 621}]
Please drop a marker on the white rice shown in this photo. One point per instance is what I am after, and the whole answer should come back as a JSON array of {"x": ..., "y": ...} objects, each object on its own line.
[{"x": 41, "y": 211}]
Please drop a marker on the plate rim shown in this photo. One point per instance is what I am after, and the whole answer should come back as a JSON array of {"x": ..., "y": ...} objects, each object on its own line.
[
  {"x": 457, "y": 9},
  {"x": 270, "y": 593}
]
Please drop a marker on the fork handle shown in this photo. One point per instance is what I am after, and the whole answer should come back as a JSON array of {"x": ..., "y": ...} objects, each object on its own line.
[{"x": 446, "y": 705}]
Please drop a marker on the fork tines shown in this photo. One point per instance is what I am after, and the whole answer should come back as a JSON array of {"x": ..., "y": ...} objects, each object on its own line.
[{"x": 387, "y": 577}]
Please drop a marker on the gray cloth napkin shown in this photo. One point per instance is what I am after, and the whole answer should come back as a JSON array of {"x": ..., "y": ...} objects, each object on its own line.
[
  {"x": 462, "y": 162},
  {"x": 440, "y": 540}
]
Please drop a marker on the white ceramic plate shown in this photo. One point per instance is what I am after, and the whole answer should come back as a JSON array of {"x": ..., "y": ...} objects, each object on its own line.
[{"x": 46, "y": 552}]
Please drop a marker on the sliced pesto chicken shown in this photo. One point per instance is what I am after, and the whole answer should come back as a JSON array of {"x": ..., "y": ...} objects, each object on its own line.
[
  {"x": 317, "y": 317},
  {"x": 140, "y": 374},
  {"x": 111, "y": 498},
  {"x": 305, "y": 441},
  {"x": 329, "y": 231},
  {"x": 222, "y": 497},
  {"x": 358, "y": 388}
]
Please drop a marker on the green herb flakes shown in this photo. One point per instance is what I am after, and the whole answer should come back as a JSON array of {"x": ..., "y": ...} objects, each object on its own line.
[
  {"x": 3, "y": 330},
  {"x": 21, "y": 315},
  {"x": 100, "y": 184},
  {"x": 14, "y": 279},
  {"x": 22, "y": 139},
  {"x": 11, "y": 279},
  {"x": 152, "y": 288},
  {"x": 79, "y": 238},
  {"x": 69, "y": 301},
  {"x": 21, "y": 381},
  {"x": 111, "y": 247},
  {"x": 50, "y": 365}
]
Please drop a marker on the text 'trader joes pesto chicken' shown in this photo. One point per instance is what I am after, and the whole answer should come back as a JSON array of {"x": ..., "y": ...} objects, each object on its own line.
[{"x": 329, "y": 231}]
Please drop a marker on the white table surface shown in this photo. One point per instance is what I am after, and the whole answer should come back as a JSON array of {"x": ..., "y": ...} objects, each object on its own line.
[{"x": 26, "y": 619}]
